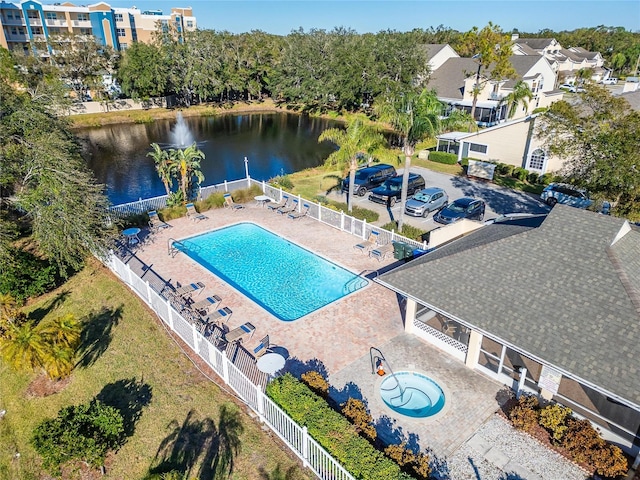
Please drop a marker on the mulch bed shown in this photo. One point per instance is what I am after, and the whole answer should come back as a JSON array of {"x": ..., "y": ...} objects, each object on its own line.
[{"x": 43, "y": 386}]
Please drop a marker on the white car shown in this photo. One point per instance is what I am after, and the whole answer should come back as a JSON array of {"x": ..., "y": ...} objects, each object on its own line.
[
  {"x": 571, "y": 88},
  {"x": 609, "y": 81}
]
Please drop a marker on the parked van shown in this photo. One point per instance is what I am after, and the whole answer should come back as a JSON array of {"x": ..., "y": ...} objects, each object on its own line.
[
  {"x": 566, "y": 194},
  {"x": 391, "y": 191},
  {"x": 369, "y": 177},
  {"x": 609, "y": 81}
]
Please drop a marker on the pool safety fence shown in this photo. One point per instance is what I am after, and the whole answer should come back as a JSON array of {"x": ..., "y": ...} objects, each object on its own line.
[{"x": 152, "y": 289}]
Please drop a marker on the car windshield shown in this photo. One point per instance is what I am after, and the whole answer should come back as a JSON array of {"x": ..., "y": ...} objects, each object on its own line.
[
  {"x": 360, "y": 176},
  {"x": 421, "y": 197},
  {"x": 456, "y": 207}
]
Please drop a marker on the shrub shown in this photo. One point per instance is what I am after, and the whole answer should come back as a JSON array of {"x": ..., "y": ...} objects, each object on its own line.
[
  {"x": 533, "y": 178},
  {"x": 609, "y": 461},
  {"x": 331, "y": 430},
  {"x": 520, "y": 173},
  {"x": 316, "y": 383},
  {"x": 246, "y": 194},
  {"x": 546, "y": 178},
  {"x": 443, "y": 157},
  {"x": 215, "y": 200},
  {"x": 357, "y": 414},
  {"x": 525, "y": 414},
  {"x": 26, "y": 275},
  {"x": 360, "y": 213},
  {"x": 79, "y": 432},
  {"x": 411, "y": 463},
  {"x": 581, "y": 440},
  {"x": 408, "y": 231},
  {"x": 554, "y": 419},
  {"x": 283, "y": 181},
  {"x": 506, "y": 170}
]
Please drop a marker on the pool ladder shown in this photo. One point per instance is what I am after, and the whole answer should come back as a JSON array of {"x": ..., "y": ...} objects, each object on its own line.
[
  {"x": 171, "y": 249},
  {"x": 378, "y": 362}
]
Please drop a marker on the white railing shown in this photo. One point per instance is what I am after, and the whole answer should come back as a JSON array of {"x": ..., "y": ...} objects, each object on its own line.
[{"x": 295, "y": 437}]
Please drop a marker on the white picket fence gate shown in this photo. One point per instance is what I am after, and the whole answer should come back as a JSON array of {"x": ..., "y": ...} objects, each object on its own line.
[{"x": 313, "y": 456}]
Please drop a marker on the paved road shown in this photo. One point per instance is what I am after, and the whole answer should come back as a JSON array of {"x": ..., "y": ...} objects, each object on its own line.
[{"x": 499, "y": 200}]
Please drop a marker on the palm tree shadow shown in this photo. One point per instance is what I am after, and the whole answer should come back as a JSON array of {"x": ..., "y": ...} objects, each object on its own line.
[
  {"x": 39, "y": 313},
  {"x": 199, "y": 442},
  {"x": 129, "y": 396},
  {"x": 96, "y": 334}
]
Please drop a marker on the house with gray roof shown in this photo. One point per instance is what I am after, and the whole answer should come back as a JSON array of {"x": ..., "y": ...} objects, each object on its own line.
[{"x": 549, "y": 305}]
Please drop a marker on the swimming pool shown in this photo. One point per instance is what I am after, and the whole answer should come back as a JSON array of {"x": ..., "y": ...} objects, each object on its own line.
[{"x": 283, "y": 278}]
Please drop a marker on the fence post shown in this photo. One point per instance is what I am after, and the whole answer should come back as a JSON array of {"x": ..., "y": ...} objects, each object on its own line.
[
  {"x": 319, "y": 212},
  {"x": 305, "y": 447},
  {"x": 393, "y": 233},
  {"x": 226, "y": 187},
  {"x": 225, "y": 367},
  {"x": 264, "y": 186},
  {"x": 246, "y": 171},
  {"x": 129, "y": 275},
  {"x": 148, "y": 293},
  {"x": 196, "y": 346},
  {"x": 260, "y": 405},
  {"x": 364, "y": 228},
  {"x": 280, "y": 199},
  {"x": 342, "y": 221},
  {"x": 170, "y": 316},
  {"x": 299, "y": 203}
]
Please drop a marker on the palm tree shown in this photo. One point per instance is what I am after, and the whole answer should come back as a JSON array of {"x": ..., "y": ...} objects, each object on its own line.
[
  {"x": 359, "y": 140},
  {"x": 414, "y": 116},
  {"x": 64, "y": 331},
  {"x": 24, "y": 347},
  {"x": 187, "y": 162},
  {"x": 164, "y": 166},
  {"x": 521, "y": 95}
]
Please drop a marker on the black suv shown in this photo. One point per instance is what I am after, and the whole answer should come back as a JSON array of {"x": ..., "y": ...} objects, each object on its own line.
[
  {"x": 391, "y": 191},
  {"x": 368, "y": 178}
]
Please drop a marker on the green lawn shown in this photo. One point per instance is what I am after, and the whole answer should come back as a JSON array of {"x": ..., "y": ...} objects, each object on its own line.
[{"x": 129, "y": 357}]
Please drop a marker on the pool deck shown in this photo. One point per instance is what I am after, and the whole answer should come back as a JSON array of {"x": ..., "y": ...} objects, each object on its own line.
[{"x": 336, "y": 339}]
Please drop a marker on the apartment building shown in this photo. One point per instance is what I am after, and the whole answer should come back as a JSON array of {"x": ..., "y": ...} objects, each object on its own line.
[{"x": 31, "y": 20}]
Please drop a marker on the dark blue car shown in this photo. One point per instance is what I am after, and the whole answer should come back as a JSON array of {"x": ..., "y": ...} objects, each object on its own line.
[{"x": 465, "y": 207}]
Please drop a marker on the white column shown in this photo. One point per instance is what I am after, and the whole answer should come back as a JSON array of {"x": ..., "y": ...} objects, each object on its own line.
[
  {"x": 260, "y": 400},
  {"x": 342, "y": 221},
  {"x": 364, "y": 229},
  {"x": 170, "y": 316},
  {"x": 523, "y": 377},
  {"x": 305, "y": 447},
  {"x": 410, "y": 315},
  {"x": 196, "y": 346},
  {"x": 225, "y": 367},
  {"x": 129, "y": 278},
  {"x": 473, "y": 349}
]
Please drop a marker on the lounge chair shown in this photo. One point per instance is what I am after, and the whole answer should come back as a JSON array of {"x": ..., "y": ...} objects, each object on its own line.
[
  {"x": 155, "y": 223},
  {"x": 291, "y": 208},
  {"x": 369, "y": 243},
  {"x": 382, "y": 252},
  {"x": 221, "y": 314},
  {"x": 236, "y": 334},
  {"x": 205, "y": 304},
  {"x": 229, "y": 203},
  {"x": 184, "y": 290},
  {"x": 276, "y": 206},
  {"x": 300, "y": 214},
  {"x": 193, "y": 214},
  {"x": 262, "y": 347}
]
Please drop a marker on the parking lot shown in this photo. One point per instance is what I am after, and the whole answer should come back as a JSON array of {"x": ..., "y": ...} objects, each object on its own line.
[{"x": 499, "y": 200}]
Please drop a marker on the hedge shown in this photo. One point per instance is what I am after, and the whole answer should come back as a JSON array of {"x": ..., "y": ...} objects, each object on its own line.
[
  {"x": 332, "y": 431},
  {"x": 443, "y": 157}
]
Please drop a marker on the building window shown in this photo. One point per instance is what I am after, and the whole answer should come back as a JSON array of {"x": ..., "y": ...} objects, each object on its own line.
[
  {"x": 189, "y": 23},
  {"x": 10, "y": 16},
  {"x": 477, "y": 148},
  {"x": 123, "y": 46},
  {"x": 121, "y": 32},
  {"x": 33, "y": 14},
  {"x": 118, "y": 17},
  {"x": 52, "y": 16},
  {"x": 14, "y": 31},
  {"x": 536, "y": 162},
  {"x": 83, "y": 17},
  {"x": 85, "y": 31}
]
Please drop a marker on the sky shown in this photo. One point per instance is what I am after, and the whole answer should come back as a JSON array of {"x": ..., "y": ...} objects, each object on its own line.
[{"x": 281, "y": 17}]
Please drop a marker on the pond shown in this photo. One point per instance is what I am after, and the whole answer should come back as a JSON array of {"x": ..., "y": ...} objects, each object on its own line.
[{"x": 274, "y": 143}]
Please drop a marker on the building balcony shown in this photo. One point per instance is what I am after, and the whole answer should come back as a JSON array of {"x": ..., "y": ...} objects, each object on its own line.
[
  {"x": 17, "y": 38},
  {"x": 82, "y": 23},
  {"x": 59, "y": 22},
  {"x": 496, "y": 96},
  {"x": 35, "y": 22},
  {"x": 13, "y": 22}
]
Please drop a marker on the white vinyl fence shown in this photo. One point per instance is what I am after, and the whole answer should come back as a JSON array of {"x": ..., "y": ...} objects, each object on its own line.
[{"x": 149, "y": 287}]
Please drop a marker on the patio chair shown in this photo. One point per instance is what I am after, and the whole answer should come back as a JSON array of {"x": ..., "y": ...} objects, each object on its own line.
[
  {"x": 236, "y": 334},
  {"x": 382, "y": 252},
  {"x": 369, "y": 243},
  {"x": 206, "y": 303},
  {"x": 187, "y": 290},
  {"x": 155, "y": 224},
  {"x": 288, "y": 209},
  {"x": 193, "y": 214},
  {"x": 276, "y": 206},
  {"x": 229, "y": 203},
  {"x": 221, "y": 314},
  {"x": 300, "y": 214},
  {"x": 261, "y": 348}
]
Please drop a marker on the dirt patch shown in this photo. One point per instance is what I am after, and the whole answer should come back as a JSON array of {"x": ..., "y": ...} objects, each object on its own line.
[{"x": 43, "y": 386}]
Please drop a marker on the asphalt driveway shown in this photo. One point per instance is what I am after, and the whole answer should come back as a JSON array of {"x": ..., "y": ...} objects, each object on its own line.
[{"x": 499, "y": 200}]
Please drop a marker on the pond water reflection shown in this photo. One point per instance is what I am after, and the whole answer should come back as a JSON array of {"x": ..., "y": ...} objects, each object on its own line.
[{"x": 274, "y": 143}]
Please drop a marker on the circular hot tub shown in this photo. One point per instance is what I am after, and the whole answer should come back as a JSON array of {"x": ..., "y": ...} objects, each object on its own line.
[{"x": 412, "y": 394}]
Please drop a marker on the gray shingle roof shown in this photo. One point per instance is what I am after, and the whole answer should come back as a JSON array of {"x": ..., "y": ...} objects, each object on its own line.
[
  {"x": 535, "y": 43},
  {"x": 433, "y": 48},
  {"x": 559, "y": 292}
]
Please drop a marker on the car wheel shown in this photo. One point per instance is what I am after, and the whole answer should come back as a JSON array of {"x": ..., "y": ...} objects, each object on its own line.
[
  {"x": 426, "y": 213},
  {"x": 392, "y": 202},
  {"x": 362, "y": 191},
  {"x": 551, "y": 201}
]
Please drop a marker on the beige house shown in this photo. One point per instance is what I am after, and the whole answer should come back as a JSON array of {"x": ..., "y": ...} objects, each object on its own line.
[{"x": 21, "y": 23}]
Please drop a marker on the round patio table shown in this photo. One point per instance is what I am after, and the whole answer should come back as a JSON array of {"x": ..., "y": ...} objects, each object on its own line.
[
  {"x": 261, "y": 200},
  {"x": 131, "y": 234},
  {"x": 270, "y": 363}
]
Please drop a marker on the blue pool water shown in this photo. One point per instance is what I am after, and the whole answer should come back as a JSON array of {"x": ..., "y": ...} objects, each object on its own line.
[
  {"x": 283, "y": 278},
  {"x": 419, "y": 396}
]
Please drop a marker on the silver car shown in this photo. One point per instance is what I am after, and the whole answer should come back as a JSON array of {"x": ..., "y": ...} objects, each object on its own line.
[{"x": 426, "y": 201}]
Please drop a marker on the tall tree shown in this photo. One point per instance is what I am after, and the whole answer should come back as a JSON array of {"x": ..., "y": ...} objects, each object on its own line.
[
  {"x": 414, "y": 116},
  {"x": 360, "y": 140},
  {"x": 520, "y": 95},
  {"x": 164, "y": 166},
  {"x": 599, "y": 141},
  {"x": 491, "y": 49},
  {"x": 187, "y": 161},
  {"x": 143, "y": 71}
]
